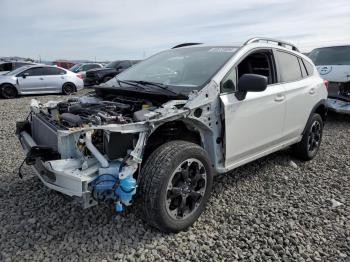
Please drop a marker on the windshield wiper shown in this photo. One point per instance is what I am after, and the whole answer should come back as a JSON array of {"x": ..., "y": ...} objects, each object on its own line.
[
  {"x": 160, "y": 85},
  {"x": 131, "y": 83}
]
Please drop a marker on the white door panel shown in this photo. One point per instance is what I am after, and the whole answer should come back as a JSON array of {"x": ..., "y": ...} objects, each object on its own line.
[
  {"x": 254, "y": 124},
  {"x": 31, "y": 83},
  {"x": 301, "y": 96},
  {"x": 54, "y": 83}
]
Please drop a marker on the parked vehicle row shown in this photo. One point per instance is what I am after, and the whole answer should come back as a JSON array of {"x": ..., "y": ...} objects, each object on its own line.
[
  {"x": 39, "y": 79},
  {"x": 163, "y": 128},
  {"x": 83, "y": 67}
]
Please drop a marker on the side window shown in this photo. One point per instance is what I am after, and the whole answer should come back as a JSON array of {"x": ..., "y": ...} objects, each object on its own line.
[
  {"x": 36, "y": 71},
  {"x": 6, "y": 67},
  {"x": 91, "y": 66},
  {"x": 53, "y": 71},
  {"x": 125, "y": 64},
  {"x": 259, "y": 62},
  {"x": 229, "y": 86},
  {"x": 302, "y": 67},
  {"x": 309, "y": 67},
  {"x": 288, "y": 67}
]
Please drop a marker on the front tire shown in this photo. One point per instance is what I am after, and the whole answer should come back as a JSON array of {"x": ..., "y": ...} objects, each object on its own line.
[
  {"x": 68, "y": 89},
  {"x": 175, "y": 185},
  {"x": 310, "y": 143},
  {"x": 8, "y": 91}
]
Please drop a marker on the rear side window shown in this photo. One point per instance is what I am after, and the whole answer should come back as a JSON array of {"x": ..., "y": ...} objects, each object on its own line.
[
  {"x": 309, "y": 67},
  {"x": 91, "y": 66},
  {"x": 288, "y": 67},
  {"x": 302, "y": 67},
  {"x": 6, "y": 67},
  {"x": 53, "y": 71}
]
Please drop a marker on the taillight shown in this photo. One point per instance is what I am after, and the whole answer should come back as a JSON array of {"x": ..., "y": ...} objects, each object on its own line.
[
  {"x": 79, "y": 76},
  {"x": 326, "y": 83}
]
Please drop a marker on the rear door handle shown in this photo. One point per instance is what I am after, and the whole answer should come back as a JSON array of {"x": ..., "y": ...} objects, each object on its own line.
[
  {"x": 41, "y": 78},
  {"x": 312, "y": 91},
  {"x": 279, "y": 98}
]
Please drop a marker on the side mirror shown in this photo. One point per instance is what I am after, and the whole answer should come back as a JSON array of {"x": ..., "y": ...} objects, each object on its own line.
[
  {"x": 250, "y": 83},
  {"x": 25, "y": 75}
]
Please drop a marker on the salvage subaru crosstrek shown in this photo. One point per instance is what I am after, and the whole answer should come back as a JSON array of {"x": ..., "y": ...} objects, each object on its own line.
[{"x": 158, "y": 132}]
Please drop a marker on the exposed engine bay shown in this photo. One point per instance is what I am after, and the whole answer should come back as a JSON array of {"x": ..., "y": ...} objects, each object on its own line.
[
  {"x": 94, "y": 110},
  {"x": 92, "y": 146}
]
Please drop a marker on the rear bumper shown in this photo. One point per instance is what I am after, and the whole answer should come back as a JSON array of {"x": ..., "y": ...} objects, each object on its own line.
[
  {"x": 63, "y": 175},
  {"x": 338, "y": 106},
  {"x": 90, "y": 81}
]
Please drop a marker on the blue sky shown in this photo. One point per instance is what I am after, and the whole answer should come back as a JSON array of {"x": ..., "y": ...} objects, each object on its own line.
[{"x": 114, "y": 29}]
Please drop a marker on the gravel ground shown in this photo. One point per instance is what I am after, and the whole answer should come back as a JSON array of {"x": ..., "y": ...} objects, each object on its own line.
[{"x": 276, "y": 208}]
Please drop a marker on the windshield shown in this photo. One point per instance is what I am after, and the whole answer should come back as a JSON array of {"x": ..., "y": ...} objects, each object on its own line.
[
  {"x": 337, "y": 55},
  {"x": 182, "y": 69},
  {"x": 74, "y": 68},
  {"x": 112, "y": 64}
]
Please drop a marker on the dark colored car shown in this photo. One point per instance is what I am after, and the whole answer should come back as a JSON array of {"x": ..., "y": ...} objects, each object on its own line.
[
  {"x": 102, "y": 75},
  {"x": 6, "y": 67}
]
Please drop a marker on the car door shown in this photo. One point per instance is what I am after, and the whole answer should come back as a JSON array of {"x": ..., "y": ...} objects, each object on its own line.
[
  {"x": 31, "y": 80},
  {"x": 253, "y": 125},
  {"x": 301, "y": 92},
  {"x": 54, "y": 79}
]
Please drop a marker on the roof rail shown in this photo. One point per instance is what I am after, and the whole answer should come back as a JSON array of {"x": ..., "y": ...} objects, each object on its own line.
[
  {"x": 185, "y": 44},
  {"x": 279, "y": 42}
]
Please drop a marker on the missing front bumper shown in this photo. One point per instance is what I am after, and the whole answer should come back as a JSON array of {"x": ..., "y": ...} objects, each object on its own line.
[
  {"x": 64, "y": 175},
  {"x": 338, "y": 106}
]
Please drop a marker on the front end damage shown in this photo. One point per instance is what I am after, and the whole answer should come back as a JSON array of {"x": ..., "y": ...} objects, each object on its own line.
[
  {"x": 91, "y": 147},
  {"x": 339, "y": 97}
]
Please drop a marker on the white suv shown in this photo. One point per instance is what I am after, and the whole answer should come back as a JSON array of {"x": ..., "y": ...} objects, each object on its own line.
[{"x": 162, "y": 129}]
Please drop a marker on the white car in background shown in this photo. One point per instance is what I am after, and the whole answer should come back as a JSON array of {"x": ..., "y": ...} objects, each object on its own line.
[
  {"x": 83, "y": 67},
  {"x": 333, "y": 64},
  {"x": 39, "y": 79}
]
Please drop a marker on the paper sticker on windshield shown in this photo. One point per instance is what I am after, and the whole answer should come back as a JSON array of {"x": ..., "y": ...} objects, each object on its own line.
[{"x": 222, "y": 49}]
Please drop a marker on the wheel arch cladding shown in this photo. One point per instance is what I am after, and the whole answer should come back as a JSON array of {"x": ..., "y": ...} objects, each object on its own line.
[
  {"x": 170, "y": 131},
  {"x": 321, "y": 109}
]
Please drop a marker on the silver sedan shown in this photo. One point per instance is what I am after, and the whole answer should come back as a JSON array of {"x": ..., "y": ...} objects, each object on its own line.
[{"x": 39, "y": 79}]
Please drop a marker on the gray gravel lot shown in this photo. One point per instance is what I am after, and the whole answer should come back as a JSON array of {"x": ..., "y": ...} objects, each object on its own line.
[{"x": 271, "y": 209}]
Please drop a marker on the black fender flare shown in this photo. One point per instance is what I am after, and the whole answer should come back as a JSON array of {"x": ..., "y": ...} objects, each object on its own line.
[{"x": 321, "y": 103}]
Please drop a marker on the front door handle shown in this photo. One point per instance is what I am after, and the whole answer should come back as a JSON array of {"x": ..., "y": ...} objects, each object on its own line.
[
  {"x": 41, "y": 78},
  {"x": 279, "y": 98},
  {"x": 312, "y": 91}
]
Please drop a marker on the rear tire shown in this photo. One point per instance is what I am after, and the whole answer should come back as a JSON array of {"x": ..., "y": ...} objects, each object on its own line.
[
  {"x": 68, "y": 89},
  {"x": 175, "y": 185},
  {"x": 8, "y": 91},
  {"x": 310, "y": 143}
]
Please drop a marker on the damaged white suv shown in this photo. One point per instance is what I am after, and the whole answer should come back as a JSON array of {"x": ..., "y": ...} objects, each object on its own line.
[{"x": 160, "y": 131}]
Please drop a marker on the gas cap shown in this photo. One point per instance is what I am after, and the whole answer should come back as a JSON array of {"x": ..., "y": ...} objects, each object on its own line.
[{"x": 324, "y": 70}]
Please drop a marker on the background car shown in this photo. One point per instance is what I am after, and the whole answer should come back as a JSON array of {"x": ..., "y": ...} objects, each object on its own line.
[
  {"x": 38, "y": 79},
  {"x": 83, "y": 67},
  {"x": 63, "y": 63},
  {"x": 6, "y": 67},
  {"x": 333, "y": 64},
  {"x": 102, "y": 75}
]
